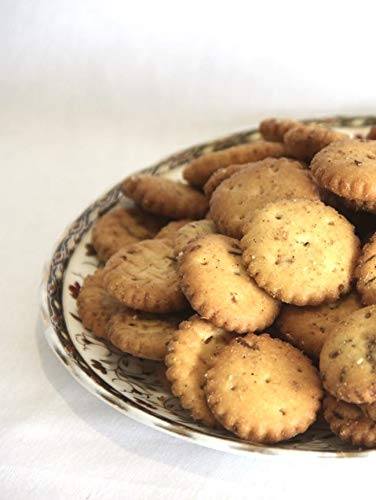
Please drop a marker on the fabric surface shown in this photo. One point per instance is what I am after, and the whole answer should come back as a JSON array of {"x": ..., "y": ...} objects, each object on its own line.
[{"x": 89, "y": 92}]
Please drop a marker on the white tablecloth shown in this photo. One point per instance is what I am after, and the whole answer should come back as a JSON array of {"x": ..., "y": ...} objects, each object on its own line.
[{"x": 90, "y": 91}]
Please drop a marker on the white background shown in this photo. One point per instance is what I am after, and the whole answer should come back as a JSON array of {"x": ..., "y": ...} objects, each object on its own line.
[{"x": 90, "y": 91}]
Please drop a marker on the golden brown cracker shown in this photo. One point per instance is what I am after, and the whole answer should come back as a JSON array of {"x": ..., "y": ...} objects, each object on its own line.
[
  {"x": 301, "y": 252},
  {"x": 199, "y": 170},
  {"x": 218, "y": 287},
  {"x": 221, "y": 175},
  {"x": 191, "y": 232},
  {"x": 304, "y": 141},
  {"x": 348, "y": 358},
  {"x": 348, "y": 168},
  {"x": 95, "y": 306},
  {"x": 308, "y": 327},
  {"x": 273, "y": 129},
  {"x": 141, "y": 334},
  {"x": 121, "y": 227},
  {"x": 263, "y": 389},
  {"x": 162, "y": 196},
  {"x": 144, "y": 276},
  {"x": 191, "y": 353},
  {"x": 235, "y": 201},
  {"x": 348, "y": 422}
]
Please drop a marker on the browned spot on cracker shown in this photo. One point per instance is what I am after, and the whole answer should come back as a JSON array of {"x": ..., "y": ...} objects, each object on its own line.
[
  {"x": 244, "y": 343},
  {"x": 334, "y": 354}
]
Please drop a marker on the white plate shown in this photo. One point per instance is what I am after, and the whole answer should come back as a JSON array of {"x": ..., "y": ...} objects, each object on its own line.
[{"x": 130, "y": 384}]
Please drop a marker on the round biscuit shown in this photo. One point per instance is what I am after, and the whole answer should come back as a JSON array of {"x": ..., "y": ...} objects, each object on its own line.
[
  {"x": 236, "y": 199},
  {"x": 221, "y": 175},
  {"x": 121, "y": 227},
  {"x": 301, "y": 252},
  {"x": 199, "y": 170},
  {"x": 348, "y": 168},
  {"x": 308, "y": 327},
  {"x": 273, "y": 129},
  {"x": 263, "y": 389},
  {"x": 191, "y": 232},
  {"x": 218, "y": 287},
  {"x": 348, "y": 358},
  {"x": 348, "y": 422},
  {"x": 141, "y": 334},
  {"x": 95, "y": 306},
  {"x": 190, "y": 354},
  {"x": 144, "y": 276},
  {"x": 165, "y": 197},
  {"x": 304, "y": 141}
]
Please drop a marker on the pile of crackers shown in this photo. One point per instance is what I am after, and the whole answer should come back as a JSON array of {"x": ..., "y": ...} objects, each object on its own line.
[{"x": 253, "y": 281}]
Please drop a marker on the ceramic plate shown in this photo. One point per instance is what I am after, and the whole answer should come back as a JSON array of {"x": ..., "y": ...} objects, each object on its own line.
[{"x": 130, "y": 384}]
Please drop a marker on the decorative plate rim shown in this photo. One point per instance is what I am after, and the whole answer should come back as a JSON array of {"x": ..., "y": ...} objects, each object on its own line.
[{"x": 83, "y": 373}]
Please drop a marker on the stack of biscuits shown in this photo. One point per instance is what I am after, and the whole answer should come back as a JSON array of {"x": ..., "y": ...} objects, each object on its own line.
[{"x": 248, "y": 280}]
